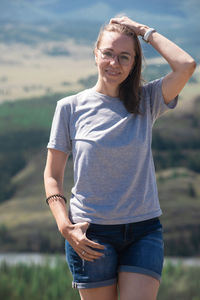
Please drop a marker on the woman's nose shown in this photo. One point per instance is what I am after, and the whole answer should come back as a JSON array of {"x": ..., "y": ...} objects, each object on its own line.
[{"x": 115, "y": 60}]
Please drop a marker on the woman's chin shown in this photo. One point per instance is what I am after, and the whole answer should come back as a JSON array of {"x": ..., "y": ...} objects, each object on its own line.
[{"x": 113, "y": 79}]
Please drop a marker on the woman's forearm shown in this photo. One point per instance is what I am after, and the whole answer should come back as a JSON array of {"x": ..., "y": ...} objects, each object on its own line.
[
  {"x": 181, "y": 63},
  {"x": 59, "y": 211},
  {"x": 178, "y": 59},
  {"x": 57, "y": 206}
]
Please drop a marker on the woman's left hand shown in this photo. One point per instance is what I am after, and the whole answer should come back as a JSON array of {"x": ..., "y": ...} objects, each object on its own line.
[{"x": 138, "y": 28}]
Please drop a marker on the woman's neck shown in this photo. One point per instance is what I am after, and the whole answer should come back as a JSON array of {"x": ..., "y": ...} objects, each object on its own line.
[{"x": 111, "y": 91}]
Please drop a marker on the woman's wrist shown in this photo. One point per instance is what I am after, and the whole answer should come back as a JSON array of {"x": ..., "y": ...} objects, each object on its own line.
[
  {"x": 142, "y": 30},
  {"x": 65, "y": 227}
]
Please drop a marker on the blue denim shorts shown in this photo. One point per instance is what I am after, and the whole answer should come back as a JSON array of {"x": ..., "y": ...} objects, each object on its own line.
[{"x": 133, "y": 247}]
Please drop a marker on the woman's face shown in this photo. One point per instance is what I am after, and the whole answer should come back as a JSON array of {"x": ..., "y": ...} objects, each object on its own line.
[{"x": 115, "y": 58}]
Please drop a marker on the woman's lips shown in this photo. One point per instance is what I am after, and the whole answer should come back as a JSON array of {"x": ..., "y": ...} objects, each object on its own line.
[{"x": 113, "y": 73}]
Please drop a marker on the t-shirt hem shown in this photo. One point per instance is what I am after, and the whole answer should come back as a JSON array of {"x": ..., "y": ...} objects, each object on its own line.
[
  {"x": 118, "y": 221},
  {"x": 173, "y": 103},
  {"x": 57, "y": 147}
]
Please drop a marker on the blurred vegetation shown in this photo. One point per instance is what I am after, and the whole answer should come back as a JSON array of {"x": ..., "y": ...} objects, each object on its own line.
[
  {"x": 25, "y": 127},
  {"x": 179, "y": 282},
  {"x": 176, "y": 140},
  {"x": 36, "y": 282},
  {"x": 42, "y": 282}
]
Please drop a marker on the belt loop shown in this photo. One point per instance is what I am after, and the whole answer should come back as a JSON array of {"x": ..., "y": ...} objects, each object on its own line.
[
  {"x": 125, "y": 231},
  {"x": 74, "y": 285}
]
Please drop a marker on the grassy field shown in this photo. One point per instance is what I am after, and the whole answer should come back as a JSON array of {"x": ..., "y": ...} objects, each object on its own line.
[
  {"x": 30, "y": 71},
  {"x": 59, "y": 66},
  {"x": 35, "y": 282}
]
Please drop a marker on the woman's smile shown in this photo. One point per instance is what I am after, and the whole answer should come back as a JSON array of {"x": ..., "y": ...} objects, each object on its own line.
[{"x": 112, "y": 72}]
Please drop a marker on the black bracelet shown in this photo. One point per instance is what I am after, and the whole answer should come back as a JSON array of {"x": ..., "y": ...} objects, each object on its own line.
[{"x": 56, "y": 196}]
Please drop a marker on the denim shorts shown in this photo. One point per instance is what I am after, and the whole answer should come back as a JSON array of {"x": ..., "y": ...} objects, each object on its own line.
[{"x": 133, "y": 247}]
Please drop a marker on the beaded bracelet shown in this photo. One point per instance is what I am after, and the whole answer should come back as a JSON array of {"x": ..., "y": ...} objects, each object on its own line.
[{"x": 54, "y": 197}]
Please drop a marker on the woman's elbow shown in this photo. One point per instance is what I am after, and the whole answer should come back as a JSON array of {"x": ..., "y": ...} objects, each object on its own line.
[{"x": 191, "y": 66}]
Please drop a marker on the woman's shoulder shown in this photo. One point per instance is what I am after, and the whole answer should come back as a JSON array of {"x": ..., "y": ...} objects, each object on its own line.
[
  {"x": 73, "y": 99},
  {"x": 149, "y": 91},
  {"x": 148, "y": 87}
]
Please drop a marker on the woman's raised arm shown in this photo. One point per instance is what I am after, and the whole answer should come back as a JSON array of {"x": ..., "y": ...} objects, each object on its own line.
[{"x": 181, "y": 63}]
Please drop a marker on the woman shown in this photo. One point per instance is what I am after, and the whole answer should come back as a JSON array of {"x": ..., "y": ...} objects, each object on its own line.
[{"x": 112, "y": 231}]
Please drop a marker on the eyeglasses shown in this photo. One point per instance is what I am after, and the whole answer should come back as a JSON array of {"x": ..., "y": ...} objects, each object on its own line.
[{"x": 123, "y": 59}]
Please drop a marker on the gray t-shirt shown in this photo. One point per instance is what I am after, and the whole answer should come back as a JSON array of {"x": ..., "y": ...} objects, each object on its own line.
[{"x": 114, "y": 174}]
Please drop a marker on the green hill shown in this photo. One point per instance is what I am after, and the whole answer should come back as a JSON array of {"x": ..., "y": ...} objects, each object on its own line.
[{"x": 26, "y": 220}]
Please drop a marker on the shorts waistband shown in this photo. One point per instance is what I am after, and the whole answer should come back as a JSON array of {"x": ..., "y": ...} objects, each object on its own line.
[{"x": 110, "y": 226}]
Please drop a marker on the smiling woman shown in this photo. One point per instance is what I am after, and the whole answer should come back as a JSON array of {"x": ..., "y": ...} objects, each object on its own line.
[
  {"x": 112, "y": 230},
  {"x": 129, "y": 62}
]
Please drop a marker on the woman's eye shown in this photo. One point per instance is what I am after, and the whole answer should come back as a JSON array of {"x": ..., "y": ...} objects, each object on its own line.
[
  {"x": 108, "y": 54},
  {"x": 124, "y": 57}
]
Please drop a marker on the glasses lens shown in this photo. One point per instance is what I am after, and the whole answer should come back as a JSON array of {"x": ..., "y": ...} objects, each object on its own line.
[
  {"x": 124, "y": 60},
  {"x": 107, "y": 54}
]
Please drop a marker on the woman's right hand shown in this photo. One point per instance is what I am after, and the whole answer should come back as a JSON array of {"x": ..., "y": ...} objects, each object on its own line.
[
  {"x": 76, "y": 236},
  {"x": 138, "y": 28}
]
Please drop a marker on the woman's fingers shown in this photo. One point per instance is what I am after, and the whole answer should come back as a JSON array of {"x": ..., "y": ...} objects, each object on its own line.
[
  {"x": 86, "y": 248},
  {"x": 87, "y": 254},
  {"x": 94, "y": 244},
  {"x": 93, "y": 252},
  {"x": 116, "y": 20},
  {"x": 128, "y": 22},
  {"x": 88, "y": 242}
]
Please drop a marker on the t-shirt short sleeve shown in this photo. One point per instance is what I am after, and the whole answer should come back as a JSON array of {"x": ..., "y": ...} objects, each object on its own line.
[
  {"x": 60, "y": 129},
  {"x": 153, "y": 92}
]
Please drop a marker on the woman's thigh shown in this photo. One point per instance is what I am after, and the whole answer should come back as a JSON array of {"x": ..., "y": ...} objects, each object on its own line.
[
  {"x": 134, "y": 286},
  {"x": 102, "y": 293},
  {"x": 141, "y": 267},
  {"x": 145, "y": 255}
]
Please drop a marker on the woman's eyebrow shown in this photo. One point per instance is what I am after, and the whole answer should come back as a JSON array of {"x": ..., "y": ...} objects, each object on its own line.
[{"x": 123, "y": 52}]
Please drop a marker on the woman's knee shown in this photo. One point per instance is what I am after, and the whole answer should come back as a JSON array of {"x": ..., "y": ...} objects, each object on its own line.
[{"x": 105, "y": 293}]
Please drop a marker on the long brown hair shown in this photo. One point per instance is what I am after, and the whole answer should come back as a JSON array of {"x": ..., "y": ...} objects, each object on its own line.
[{"x": 130, "y": 88}]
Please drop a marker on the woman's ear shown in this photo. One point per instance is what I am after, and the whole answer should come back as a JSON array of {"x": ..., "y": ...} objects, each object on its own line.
[{"x": 95, "y": 55}]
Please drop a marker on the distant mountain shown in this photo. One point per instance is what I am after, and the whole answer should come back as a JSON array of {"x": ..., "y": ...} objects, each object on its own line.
[
  {"x": 32, "y": 11},
  {"x": 177, "y": 20},
  {"x": 143, "y": 11}
]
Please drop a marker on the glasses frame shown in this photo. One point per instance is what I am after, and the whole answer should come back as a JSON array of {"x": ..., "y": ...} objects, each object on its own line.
[{"x": 114, "y": 56}]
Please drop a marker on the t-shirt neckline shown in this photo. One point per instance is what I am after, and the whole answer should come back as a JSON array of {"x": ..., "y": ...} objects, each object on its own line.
[{"x": 106, "y": 97}]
